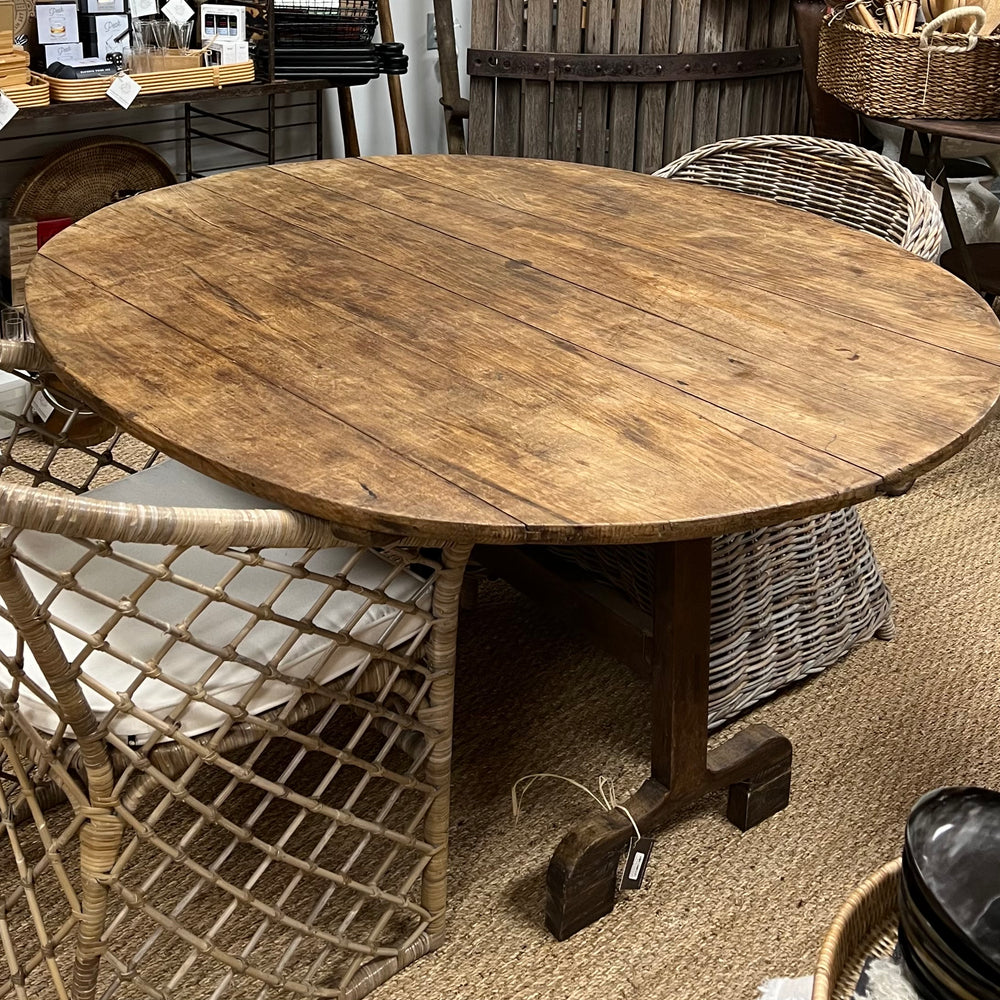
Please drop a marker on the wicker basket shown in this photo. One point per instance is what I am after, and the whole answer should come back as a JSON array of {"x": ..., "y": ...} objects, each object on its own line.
[
  {"x": 33, "y": 94},
  {"x": 923, "y": 75},
  {"x": 154, "y": 83},
  {"x": 865, "y": 926}
]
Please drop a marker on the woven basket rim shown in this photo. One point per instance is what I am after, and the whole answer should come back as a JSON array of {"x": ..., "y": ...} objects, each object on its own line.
[
  {"x": 830, "y": 955},
  {"x": 887, "y": 38}
]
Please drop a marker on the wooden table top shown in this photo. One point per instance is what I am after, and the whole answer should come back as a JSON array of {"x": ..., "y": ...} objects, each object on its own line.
[{"x": 512, "y": 350}]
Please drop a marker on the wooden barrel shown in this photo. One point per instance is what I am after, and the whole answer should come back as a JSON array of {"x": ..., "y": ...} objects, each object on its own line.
[{"x": 631, "y": 84}]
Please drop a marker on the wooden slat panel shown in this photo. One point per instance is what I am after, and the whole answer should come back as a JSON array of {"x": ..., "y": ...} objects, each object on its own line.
[
  {"x": 680, "y": 101},
  {"x": 792, "y": 89},
  {"x": 482, "y": 89},
  {"x": 731, "y": 91},
  {"x": 510, "y": 35},
  {"x": 649, "y": 154},
  {"x": 711, "y": 38},
  {"x": 594, "y": 110},
  {"x": 566, "y": 98},
  {"x": 622, "y": 141},
  {"x": 536, "y": 93}
]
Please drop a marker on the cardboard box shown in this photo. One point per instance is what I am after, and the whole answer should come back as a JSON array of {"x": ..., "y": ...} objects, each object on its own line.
[
  {"x": 102, "y": 6},
  {"x": 57, "y": 23},
  {"x": 227, "y": 53},
  {"x": 100, "y": 31},
  {"x": 67, "y": 52},
  {"x": 221, "y": 22}
]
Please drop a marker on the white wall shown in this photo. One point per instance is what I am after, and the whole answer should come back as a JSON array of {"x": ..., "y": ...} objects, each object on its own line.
[{"x": 421, "y": 87}]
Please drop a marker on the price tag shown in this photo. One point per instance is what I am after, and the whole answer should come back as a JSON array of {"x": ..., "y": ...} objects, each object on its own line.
[
  {"x": 178, "y": 11},
  {"x": 7, "y": 109},
  {"x": 123, "y": 89},
  {"x": 635, "y": 862}
]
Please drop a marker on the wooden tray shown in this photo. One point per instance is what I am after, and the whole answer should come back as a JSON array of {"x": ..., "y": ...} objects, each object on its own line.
[
  {"x": 154, "y": 83},
  {"x": 866, "y": 925},
  {"x": 30, "y": 95}
]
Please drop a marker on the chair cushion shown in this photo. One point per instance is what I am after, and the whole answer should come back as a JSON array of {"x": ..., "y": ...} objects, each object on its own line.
[{"x": 132, "y": 641}]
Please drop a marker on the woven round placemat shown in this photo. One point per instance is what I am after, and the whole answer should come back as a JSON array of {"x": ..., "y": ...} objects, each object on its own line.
[
  {"x": 866, "y": 926},
  {"x": 87, "y": 174}
]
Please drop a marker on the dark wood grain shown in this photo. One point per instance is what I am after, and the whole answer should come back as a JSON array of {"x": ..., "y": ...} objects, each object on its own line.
[{"x": 515, "y": 350}]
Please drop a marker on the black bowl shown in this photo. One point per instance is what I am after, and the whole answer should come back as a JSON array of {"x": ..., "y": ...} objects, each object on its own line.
[
  {"x": 952, "y": 850},
  {"x": 937, "y": 965},
  {"x": 935, "y": 938}
]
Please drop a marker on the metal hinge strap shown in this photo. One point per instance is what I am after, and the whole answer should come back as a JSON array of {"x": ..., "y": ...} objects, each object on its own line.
[{"x": 567, "y": 67}]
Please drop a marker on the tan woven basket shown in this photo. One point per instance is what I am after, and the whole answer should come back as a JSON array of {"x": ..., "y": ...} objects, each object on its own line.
[
  {"x": 865, "y": 926},
  {"x": 31, "y": 95},
  {"x": 923, "y": 75},
  {"x": 154, "y": 83}
]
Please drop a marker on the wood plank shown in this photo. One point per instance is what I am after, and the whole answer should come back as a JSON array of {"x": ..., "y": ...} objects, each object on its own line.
[
  {"x": 711, "y": 38},
  {"x": 370, "y": 478},
  {"x": 698, "y": 232},
  {"x": 482, "y": 90},
  {"x": 536, "y": 92},
  {"x": 680, "y": 101},
  {"x": 622, "y": 142},
  {"x": 731, "y": 91},
  {"x": 651, "y": 115},
  {"x": 594, "y": 107},
  {"x": 775, "y": 87},
  {"x": 510, "y": 36},
  {"x": 771, "y": 331},
  {"x": 566, "y": 96},
  {"x": 758, "y": 25}
]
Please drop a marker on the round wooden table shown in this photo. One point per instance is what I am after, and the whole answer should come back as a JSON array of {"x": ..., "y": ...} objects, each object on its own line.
[{"x": 515, "y": 351}]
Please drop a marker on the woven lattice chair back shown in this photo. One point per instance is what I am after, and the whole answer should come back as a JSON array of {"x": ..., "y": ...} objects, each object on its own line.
[
  {"x": 226, "y": 730},
  {"x": 837, "y": 180}
]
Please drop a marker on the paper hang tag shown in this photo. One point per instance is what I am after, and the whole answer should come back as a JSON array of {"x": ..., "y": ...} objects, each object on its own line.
[
  {"x": 178, "y": 11},
  {"x": 143, "y": 8},
  {"x": 123, "y": 89},
  {"x": 7, "y": 109},
  {"x": 636, "y": 861}
]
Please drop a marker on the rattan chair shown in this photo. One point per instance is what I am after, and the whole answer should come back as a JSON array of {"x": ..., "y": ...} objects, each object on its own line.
[
  {"x": 787, "y": 601},
  {"x": 226, "y": 729}
]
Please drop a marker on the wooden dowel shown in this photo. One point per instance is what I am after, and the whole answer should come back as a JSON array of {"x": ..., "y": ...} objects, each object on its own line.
[
  {"x": 890, "y": 16},
  {"x": 862, "y": 15}
]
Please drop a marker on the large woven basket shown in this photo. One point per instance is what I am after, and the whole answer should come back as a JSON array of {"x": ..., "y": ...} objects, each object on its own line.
[
  {"x": 922, "y": 75},
  {"x": 865, "y": 926}
]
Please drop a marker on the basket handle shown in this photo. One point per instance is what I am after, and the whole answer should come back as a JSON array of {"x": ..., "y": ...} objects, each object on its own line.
[{"x": 927, "y": 32}]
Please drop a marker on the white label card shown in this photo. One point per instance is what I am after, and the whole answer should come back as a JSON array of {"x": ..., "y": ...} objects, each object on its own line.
[
  {"x": 178, "y": 11},
  {"x": 7, "y": 109},
  {"x": 143, "y": 8},
  {"x": 124, "y": 90}
]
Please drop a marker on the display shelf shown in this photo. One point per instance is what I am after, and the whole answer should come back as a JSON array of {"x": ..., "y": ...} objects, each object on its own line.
[{"x": 230, "y": 91}]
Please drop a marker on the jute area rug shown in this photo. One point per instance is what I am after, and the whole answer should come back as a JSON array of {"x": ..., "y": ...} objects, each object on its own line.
[{"x": 720, "y": 911}]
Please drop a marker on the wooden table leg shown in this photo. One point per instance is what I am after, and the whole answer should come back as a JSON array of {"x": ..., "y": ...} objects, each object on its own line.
[{"x": 755, "y": 764}]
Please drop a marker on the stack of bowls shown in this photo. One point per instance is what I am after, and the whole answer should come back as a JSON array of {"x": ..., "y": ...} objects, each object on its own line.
[{"x": 949, "y": 933}]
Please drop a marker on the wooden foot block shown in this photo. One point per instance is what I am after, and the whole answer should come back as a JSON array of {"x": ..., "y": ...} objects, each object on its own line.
[
  {"x": 751, "y": 802},
  {"x": 577, "y": 899}
]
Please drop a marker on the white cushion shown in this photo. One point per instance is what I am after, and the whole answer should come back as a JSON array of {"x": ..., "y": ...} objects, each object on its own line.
[{"x": 172, "y": 484}]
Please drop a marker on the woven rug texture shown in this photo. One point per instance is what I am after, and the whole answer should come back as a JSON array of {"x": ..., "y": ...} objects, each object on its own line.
[{"x": 720, "y": 911}]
